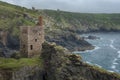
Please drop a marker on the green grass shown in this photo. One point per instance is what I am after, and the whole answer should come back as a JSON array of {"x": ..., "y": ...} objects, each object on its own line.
[
  {"x": 80, "y": 21},
  {"x": 13, "y": 64},
  {"x": 12, "y": 17}
]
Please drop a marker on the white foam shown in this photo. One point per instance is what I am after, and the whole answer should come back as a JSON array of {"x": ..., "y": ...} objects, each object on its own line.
[
  {"x": 113, "y": 47},
  {"x": 88, "y": 62},
  {"x": 114, "y": 61},
  {"x": 96, "y": 48},
  {"x": 113, "y": 67},
  {"x": 118, "y": 54},
  {"x": 98, "y": 65},
  {"x": 111, "y": 44},
  {"x": 101, "y": 38},
  {"x": 110, "y": 71}
]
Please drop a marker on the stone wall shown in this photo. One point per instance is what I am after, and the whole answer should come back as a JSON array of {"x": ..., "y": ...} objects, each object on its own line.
[
  {"x": 31, "y": 39},
  {"x": 35, "y": 40},
  {"x": 23, "y": 41}
]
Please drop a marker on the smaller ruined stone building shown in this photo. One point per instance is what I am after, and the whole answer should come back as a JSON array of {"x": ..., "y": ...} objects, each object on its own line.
[{"x": 31, "y": 39}]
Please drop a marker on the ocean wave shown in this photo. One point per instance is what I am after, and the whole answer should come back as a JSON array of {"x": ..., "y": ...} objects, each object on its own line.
[
  {"x": 118, "y": 54},
  {"x": 96, "y": 48},
  {"x": 94, "y": 64},
  {"x": 98, "y": 65},
  {"x": 114, "y": 61},
  {"x": 113, "y": 47},
  {"x": 113, "y": 67},
  {"x": 112, "y": 41},
  {"x": 111, "y": 44},
  {"x": 88, "y": 62}
]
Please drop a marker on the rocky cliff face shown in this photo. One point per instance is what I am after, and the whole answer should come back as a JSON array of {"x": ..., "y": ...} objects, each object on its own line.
[
  {"x": 60, "y": 64},
  {"x": 25, "y": 73},
  {"x": 21, "y": 69},
  {"x": 70, "y": 41},
  {"x": 8, "y": 44}
]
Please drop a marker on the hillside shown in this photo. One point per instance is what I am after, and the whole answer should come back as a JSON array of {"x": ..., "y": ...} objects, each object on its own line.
[
  {"x": 61, "y": 27},
  {"x": 12, "y": 17},
  {"x": 85, "y": 22},
  {"x": 55, "y": 63}
]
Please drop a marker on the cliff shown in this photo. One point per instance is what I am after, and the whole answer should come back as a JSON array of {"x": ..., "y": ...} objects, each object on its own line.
[
  {"x": 60, "y": 26},
  {"x": 55, "y": 63},
  {"x": 22, "y": 69},
  {"x": 83, "y": 22},
  {"x": 12, "y": 17},
  {"x": 60, "y": 64}
]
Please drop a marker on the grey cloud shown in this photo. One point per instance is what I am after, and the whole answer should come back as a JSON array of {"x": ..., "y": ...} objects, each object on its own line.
[{"x": 91, "y": 6}]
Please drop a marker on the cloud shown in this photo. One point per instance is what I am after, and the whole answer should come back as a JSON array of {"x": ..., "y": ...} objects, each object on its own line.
[{"x": 91, "y": 6}]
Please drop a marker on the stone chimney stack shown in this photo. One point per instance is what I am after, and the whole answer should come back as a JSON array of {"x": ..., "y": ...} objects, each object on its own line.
[{"x": 40, "y": 21}]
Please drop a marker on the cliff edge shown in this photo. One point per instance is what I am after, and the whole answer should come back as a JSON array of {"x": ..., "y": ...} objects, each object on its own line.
[
  {"x": 60, "y": 64},
  {"x": 55, "y": 63}
]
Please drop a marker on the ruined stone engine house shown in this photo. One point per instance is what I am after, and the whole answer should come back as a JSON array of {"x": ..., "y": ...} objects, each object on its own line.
[{"x": 31, "y": 39}]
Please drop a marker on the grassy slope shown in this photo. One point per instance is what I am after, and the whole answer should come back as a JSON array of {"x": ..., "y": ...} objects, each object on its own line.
[
  {"x": 59, "y": 25},
  {"x": 85, "y": 21},
  {"x": 11, "y": 17},
  {"x": 13, "y": 64}
]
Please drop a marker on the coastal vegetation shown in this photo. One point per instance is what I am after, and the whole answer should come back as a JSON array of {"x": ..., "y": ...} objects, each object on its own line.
[
  {"x": 14, "y": 64},
  {"x": 61, "y": 27}
]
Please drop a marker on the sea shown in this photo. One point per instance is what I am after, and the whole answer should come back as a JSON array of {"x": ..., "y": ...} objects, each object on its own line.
[{"x": 106, "y": 53}]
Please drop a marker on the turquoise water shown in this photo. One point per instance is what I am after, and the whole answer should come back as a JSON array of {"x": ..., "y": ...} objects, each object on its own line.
[{"x": 106, "y": 53}]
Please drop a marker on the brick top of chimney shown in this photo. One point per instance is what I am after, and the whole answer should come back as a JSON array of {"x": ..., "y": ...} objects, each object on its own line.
[{"x": 40, "y": 21}]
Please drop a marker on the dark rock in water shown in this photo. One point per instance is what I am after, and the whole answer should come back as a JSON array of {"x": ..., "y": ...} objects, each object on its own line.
[{"x": 93, "y": 37}]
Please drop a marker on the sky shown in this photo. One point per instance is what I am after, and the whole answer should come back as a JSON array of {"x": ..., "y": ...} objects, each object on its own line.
[{"x": 83, "y": 6}]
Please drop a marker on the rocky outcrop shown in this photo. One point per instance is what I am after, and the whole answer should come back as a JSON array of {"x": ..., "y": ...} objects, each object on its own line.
[
  {"x": 91, "y": 37},
  {"x": 61, "y": 30},
  {"x": 8, "y": 44},
  {"x": 71, "y": 41},
  {"x": 25, "y": 73},
  {"x": 60, "y": 64},
  {"x": 57, "y": 64}
]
